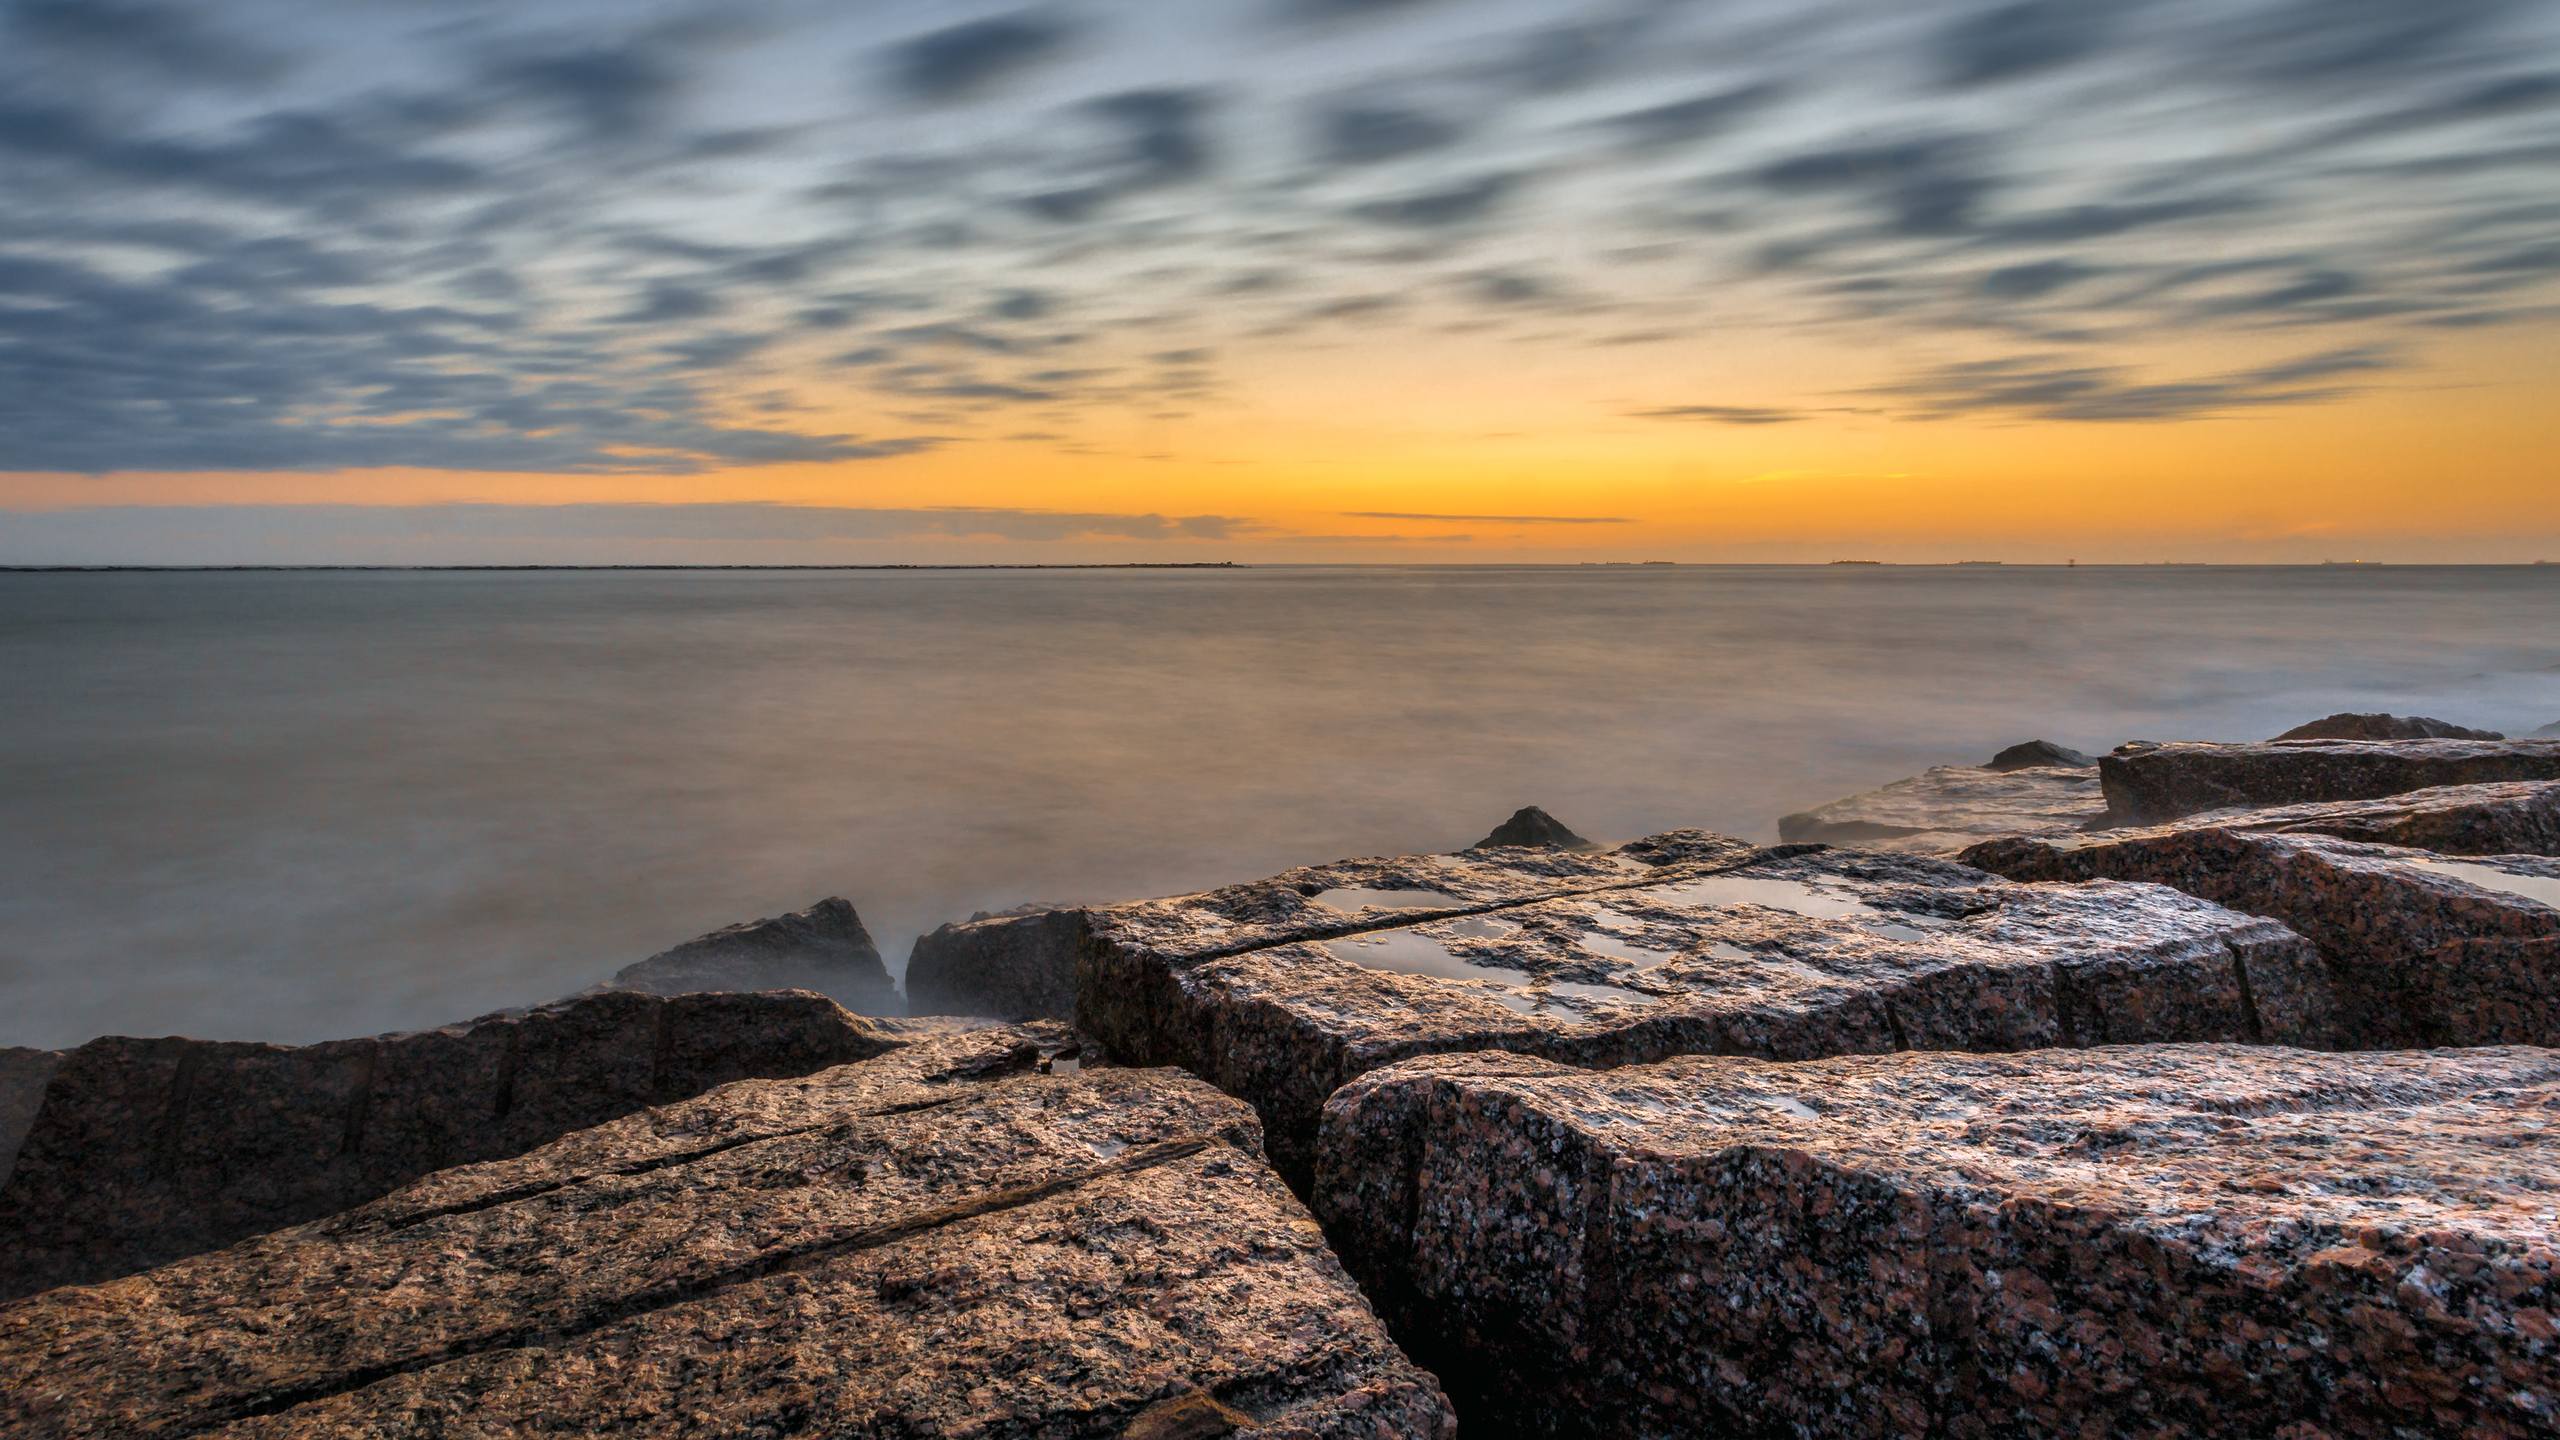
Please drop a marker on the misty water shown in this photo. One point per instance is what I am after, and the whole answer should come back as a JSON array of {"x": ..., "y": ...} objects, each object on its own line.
[{"x": 292, "y": 806}]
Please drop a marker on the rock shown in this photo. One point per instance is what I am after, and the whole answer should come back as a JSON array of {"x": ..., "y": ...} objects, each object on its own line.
[
  {"x": 1530, "y": 825},
  {"x": 1024, "y": 966},
  {"x": 2344, "y": 726},
  {"x": 2151, "y": 784},
  {"x": 940, "y": 1241},
  {"x": 2034, "y": 754},
  {"x": 2552, "y": 729},
  {"x": 823, "y": 948},
  {"x": 2518, "y": 818},
  {"x": 2154, "y": 1241},
  {"x": 23, "y": 1074},
  {"x": 1784, "y": 955},
  {"x": 2421, "y": 949},
  {"x": 1010, "y": 967},
  {"x": 1941, "y": 811},
  {"x": 147, "y": 1150}
]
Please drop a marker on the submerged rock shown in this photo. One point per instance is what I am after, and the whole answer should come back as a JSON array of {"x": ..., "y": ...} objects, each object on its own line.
[
  {"x": 823, "y": 948},
  {"x": 1530, "y": 825},
  {"x": 1941, "y": 811},
  {"x": 941, "y": 1241},
  {"x": 1011, "y": 967},
  {"x": 147, "y": 1150},
  {"x": 2208, "y": 1240},
  {"x": 2421, "y": 949},
  {"x": 2034, "y": 754},
  {"x": 1789, "y": 956},
  {"x": 2151, "y": 784},
  {"x": 2344, "y": 726}
]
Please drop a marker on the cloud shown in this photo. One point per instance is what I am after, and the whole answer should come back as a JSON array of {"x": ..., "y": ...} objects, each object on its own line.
[
  {"x": 1365, "y": 133},
  {"x": 1723, "y": 414},
  {"x": 1490, "y": 519},
  {"x": 171, "y": 41},
  {"x": 2034, "y": 387},
  {"x": 965, "y": 61},
  {"x": 1463, "y": 203},
  {"x": 1927, "y": 186},
  {"x": 1683, "y": 122},
  {"x": 2008, "y": 41}
]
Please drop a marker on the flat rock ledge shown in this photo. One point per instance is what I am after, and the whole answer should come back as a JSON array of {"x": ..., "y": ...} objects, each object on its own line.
[
  {"x": 2142, "y": 1241},
  {"x": 1943, "y": 810},
  {"x": 2153, "y": 784},
  {"x": 1022, "y": 966},
  {"x": 1281, "y": 999},
  {"x": 825, "y": 948},
  {"x": 942, "y": 1241},
  {"x": 2348, "y": 725},
  {"x": 2518, "y": 818},
  {"x": 2422, "y": 949},
  {"x": 143, "y": 1151}
]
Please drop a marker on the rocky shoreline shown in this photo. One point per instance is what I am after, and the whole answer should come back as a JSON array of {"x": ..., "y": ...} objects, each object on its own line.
[{"x": 2193, "y": 1088}]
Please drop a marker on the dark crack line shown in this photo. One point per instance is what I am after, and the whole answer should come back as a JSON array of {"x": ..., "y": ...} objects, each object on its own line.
[{"x": 664, "y": 1297}]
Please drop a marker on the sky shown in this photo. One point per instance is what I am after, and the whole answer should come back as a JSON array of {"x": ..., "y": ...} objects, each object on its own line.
[{"x": 784, "y": 281}]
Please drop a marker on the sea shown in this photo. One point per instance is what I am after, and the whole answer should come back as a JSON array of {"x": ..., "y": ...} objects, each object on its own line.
[{"x": 293, "y": 805}]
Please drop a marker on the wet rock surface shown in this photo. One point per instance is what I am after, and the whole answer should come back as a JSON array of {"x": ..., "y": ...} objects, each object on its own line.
[
  {"x": 2148, "y": 1241},
  {"x": 937, "y": 1242},
  {"x": 1019, "y": 966},
  {"x": 1775, "y": 954},
  {"x": 1530, "y": 825},
  {"x": 2346, "y": 726},
  {"x": 2153, "y": 784},
  {"x": 2520, "y": 818},
  {"x": 2421, "y": 948},
  {"x": 1943, "y": 810},
  {"x": 2032, "y": 754},
  {"x": 824, "y": 948},
  {"x": 147, "y": 1150}
]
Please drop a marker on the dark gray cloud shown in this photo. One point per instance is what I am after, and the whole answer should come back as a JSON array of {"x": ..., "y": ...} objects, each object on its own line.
[
  {"x": 1724, "y": 414},
  {"x": 2037, "y": 387},
  {"x": 172, "y": 42},
  {"x": 1463, "y": 203},
  {"x": 967, "y": 60},
  {"x": 1685, "y": 122},
  {"x": 2007, "y": 41},
  {"x": 1367, "y": 132},
  {"x": 1926, "y": 186}
]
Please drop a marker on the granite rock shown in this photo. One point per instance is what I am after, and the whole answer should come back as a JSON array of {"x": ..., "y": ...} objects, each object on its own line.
[
  {"x": 1530, "y": 825},
  {"x": 23, "y": 1074},
  {"x": 824, "y": 948},
  {"x": 147, "y": 1150},
  {"x": 1782, "y": 955},
  {"x": 2152, "y": 784},
  {"x": 1941, "y": 811},
  {"x": 2035, "y": 754},
  {"x": 941, "y": 1241},
  {"x": 2344, "y": 726},
  {"x": 2518, "y": 818},
  {"x": 1019, "y": 966},
  {"x": 2421, "y": 949},
  {"x": 2137, "y": 1241}
]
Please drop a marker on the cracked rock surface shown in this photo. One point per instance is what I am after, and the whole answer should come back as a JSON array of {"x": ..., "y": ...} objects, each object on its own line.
[
  {"x": 1773, "y": 954},
  {"x": 147, "y": 1150},
  {"x": 2422, "y": 949},
  {"x": 2517, "y": 818},
  {"x": 941, "y": 1241},
  {"x": 2152, "y": 784},
  {"x": 2137, "y": 1241}
]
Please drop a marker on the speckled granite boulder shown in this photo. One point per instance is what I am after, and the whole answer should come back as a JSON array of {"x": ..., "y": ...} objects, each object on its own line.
[
  {"x": 146, "y": 1150},
  {"x": 824, "y": 948},
  {"x": 2141, "y": 1241},
  {"x": 1941, "y": 811},
  {"x": 938, "y": 1242},
  {"x": 2348, "y": 726},
  {"x": 23, "y": 1074},
  {"x": 1017, "y": 966},
  {"x": 2518, "y": 818},
  {"x": 2421, "y": 949},
  {"x": 2151, "y": 784},
  {"x": 1788, "y": 956}
]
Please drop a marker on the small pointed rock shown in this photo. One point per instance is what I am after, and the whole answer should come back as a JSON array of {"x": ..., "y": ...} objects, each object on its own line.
[
  {"x": 1530, "y": 825},
  {"x": 2036, "y": 754}
]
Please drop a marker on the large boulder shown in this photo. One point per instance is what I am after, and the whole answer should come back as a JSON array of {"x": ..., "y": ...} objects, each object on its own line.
[
  {"x": 1022, "y": 964},
  {"x": 2518, "y": 818},
  {"x": 2146, "y": 1241},
  {"x": 823, "y": 948},
  {"x": 147, "y": 1150},
  {"x": 23, "y": 1074},
  {"x": 1941, "y": 811},
  {"x": 2422, "y": 949},
  {"x": 1530, "y": 825},
  {"x": 2152, "y": 784},
  {"x": 2345, "y": 726},
  {"x": 942, "y": 1241},
  {"x": 1788, "y": 956}
]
